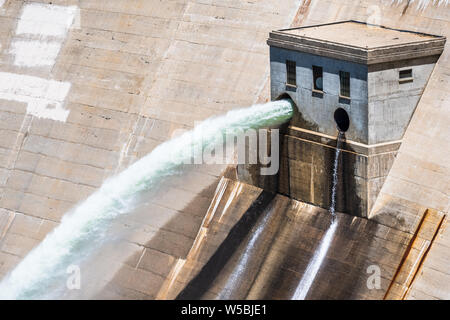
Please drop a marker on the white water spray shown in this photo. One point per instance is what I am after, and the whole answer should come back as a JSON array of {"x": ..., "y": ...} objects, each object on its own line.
[{"x": 84, "y": 228}]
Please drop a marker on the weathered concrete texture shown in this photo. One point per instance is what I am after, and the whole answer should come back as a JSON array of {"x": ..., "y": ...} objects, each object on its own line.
[
  {"x": 307, "y": 164},
  {"x": 378, "y": 107},
  {"x": 416, "y": 253},
  {"x": 316, "y": 110},
  {"x": 138, "y": 70},
  {"x": 379, "y": 103},
  {"x": 419, "y": 178},
  {"x": 148, "y": 241},
  {"x": 358, "y": 35},
  {"x": 271, "y": 259},
  {"x": 392, "y": 102}
]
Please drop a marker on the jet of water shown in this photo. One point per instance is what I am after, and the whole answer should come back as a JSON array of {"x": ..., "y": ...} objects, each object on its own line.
[{"x": 84, "y": 228}]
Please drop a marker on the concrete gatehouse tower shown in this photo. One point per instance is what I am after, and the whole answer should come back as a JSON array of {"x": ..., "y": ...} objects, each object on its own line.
[{"x": 364, "y": 80}]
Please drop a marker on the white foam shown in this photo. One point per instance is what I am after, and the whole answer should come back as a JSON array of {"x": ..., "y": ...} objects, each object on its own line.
[
  {"x": 34, "y": 53},
  {"x": 46, "y": 20},
  {"x": 44, "y": 98}
]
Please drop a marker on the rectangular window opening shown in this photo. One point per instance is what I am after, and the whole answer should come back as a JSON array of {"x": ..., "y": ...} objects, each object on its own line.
[
  {"x": 291, "y": 73},
  {"x": 317, "y": 78},
  {"x": 405, "y": 75},
  {"x": 345, "y": 84}
]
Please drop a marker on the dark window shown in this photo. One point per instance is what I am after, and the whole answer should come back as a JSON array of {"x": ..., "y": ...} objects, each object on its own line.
[
  {"x": 405, "y": 74},
  {"x": 317, "y": 78},
  {"x": 291, "y": 73},
  {"x": 345, "y": 83}
]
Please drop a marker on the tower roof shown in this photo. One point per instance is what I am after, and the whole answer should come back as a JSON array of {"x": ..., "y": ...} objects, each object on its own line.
[{"x": 358, "y": 42}]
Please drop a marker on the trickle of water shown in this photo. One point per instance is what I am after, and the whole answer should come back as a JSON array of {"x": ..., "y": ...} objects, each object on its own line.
[
  {"x": 335, "y": 174},
  {"x": 313, "y": 267},
  {"x": 84, "y": 227}
]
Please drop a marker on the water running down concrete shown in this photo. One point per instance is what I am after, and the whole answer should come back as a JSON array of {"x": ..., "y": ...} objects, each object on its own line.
[
  {"x": 335, "y": 174},
  {"x": 252, "y": 224},
  {"x": 84, "y": 228},
  {"x": 314, "y": 265},
  {"x": 232, "y": 283}
]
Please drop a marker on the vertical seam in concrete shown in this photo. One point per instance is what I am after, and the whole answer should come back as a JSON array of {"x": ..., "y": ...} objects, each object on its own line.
[
  {"x": 417, "y": 266},
  {"x": 7, "y": 226},
  {"x": 405, "y": 256},
  {"x": 17, "y": 147},
  {"x": 140, "y": 258},
  {"x": 406, "y": 7},
  {"x": 422, "y": 260},
  {"x": 312, "y": 184}
]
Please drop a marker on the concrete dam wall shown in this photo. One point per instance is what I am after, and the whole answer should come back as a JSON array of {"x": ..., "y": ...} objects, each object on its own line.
[
  {"x": 128, "y": 75},
  {"x": 137, "y": 73}
]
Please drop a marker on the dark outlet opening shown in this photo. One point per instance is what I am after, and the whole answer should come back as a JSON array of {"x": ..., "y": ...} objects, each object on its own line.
[
  {"x": 285, "y": 96},
  {"x": 342, "y": 119}
]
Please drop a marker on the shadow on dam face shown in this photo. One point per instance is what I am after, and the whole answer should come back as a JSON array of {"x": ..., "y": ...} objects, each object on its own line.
[
  {"x": 272, "y": 264},
  {"x": 233, "y": 263},
  {"x": 200, "y": 284}
]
